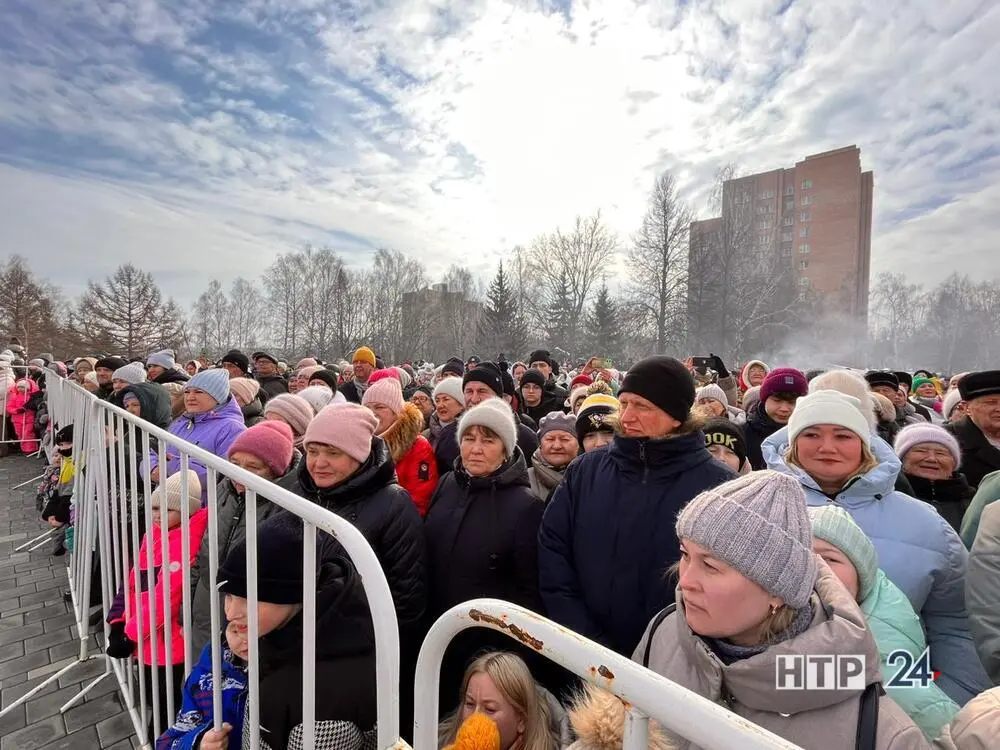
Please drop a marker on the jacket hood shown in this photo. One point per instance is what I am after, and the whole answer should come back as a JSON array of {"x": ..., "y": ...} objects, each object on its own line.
[
  {"x": 513, "y": 473},
  {"x": 376, "y": 472},
  {"x": 879, "y": 481},
  {"x": 838, "y": 627},
  {"x": 342, "y": 617},
  {"x": 228, "y": 411},
  {"x": 403, "y": 433},
  {"x": 154, "y": 403},
  {"x": 660, "y": 458},
  {"x": 745, "y": 372}
]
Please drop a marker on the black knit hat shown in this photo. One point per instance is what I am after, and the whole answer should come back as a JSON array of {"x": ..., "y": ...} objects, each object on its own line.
[
  {"x": 882, "y": 377},
  {"x": 533, "y": 377},
  {"x": 509, "y": 389},
  {"x": 455, "y": 366},
  {"x": 279, "y": 542},
  {"x": 721, "y": 431},
  {"x": 238, "y": 358},
  {"x": 110, "y": 363},
  {"x": 327, "y": 377},
  {"x": 665, "y": 382},
  {"x": 487, "y": 373},
  {"x": 979, "y": 384},
  {"x": 594, "y": 418}
]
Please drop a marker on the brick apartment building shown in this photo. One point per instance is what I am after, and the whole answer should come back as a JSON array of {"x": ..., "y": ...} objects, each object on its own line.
[{"x": 816, "y": 217}]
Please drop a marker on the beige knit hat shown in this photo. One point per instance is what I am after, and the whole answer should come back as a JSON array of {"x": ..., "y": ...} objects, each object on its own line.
[{"x": 170, "y": 493}]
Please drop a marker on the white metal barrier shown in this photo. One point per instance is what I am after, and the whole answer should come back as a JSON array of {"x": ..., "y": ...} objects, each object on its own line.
[
  {"x": 645, "y": 693},
  {"x": 109, "y": 516}
]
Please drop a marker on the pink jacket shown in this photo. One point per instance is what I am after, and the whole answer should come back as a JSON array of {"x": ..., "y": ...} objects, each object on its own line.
[
  {"x": 16, "y": 398},
  {"x": 173, "y": 581}
]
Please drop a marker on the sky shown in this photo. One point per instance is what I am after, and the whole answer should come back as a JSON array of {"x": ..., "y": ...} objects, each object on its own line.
[{"x": 199, "y": 139}]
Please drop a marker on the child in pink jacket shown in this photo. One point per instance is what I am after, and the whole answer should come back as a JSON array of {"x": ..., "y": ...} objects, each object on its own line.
[
  {"x": 123, "y": 640},
  {"x": 22, "y": 417}
]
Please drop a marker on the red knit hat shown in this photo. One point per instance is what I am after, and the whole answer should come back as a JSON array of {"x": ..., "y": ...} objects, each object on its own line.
[
  {"x": 382, "y": 375},
  {"x": 581, "y": 380},
  {"x": 270, "y": 441}
]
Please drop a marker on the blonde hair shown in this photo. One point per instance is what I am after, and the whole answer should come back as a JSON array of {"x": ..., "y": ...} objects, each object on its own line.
[{"x": 513, "y": 679}]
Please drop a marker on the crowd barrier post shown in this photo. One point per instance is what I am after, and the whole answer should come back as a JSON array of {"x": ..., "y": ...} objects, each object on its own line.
[{"x": 644, "y": 693}]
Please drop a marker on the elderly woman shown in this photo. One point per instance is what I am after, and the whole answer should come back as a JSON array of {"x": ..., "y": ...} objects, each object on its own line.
[
  {"x": 557, "y": 447},
  {"x": 931, "y": 460},
  {"x": 829, "y": 449},
  {"x": 739, "y": 606}
]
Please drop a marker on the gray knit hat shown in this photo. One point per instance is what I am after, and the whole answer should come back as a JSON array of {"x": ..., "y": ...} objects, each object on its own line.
[
  {"x": 132, "y": 373},
  {"x": 494, "y": 414},
  {"x": 758, "y": 525},
  {"x": 557, "y": 420}
]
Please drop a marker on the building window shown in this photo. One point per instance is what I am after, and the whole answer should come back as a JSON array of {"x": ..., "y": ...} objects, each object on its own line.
[
  {"x": 764, "y": 239},
  {"x": 788, "y": 221},
  {"x": 804, "y": 248},
  {"x": 789, "y": 190},
  {"x": 803, "y": 283},
  {"x": 786, "y": 252},
  {"x": 789, "y": 205},
  {"x": 806, "y": 184},
  {"x": 764, "y": 224},
  {"x": 804, "y": 216},
  {"x": 804, "y": 231},
  {"x": 806, "y": 200},
  {"x": 803, "y": 265},
  {"x": 786, "y": 236},
  {"x": 767, "y": 194}
]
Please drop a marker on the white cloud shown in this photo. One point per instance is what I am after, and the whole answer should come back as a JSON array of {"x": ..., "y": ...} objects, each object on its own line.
[{"x": 456, "y": 130}]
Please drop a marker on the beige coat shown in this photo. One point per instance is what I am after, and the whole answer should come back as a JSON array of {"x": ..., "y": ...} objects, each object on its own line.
[
  {"x": 977, "y": 725},
  {"x": 812, "y": 719}
]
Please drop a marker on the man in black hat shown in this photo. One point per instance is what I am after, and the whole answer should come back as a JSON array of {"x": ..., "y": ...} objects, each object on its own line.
[
  {"x": 542, "y": 361},
  {"x": 104, "y": 368},
  {"x": 888, "y": 384},
  {"x": 266, "y": 371},
  {"x": 236, "y": 363},
  {"x": 979, "y": 433},
  {"x": 906, "y": 383}
]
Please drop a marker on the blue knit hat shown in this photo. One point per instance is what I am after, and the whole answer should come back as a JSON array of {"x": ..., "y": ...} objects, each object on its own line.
[{"x": 213, "y": 382}]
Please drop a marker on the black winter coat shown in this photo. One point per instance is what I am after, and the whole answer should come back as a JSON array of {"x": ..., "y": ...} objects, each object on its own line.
[
  {"x": 172, "y": 376},
  {"x": 979, "y": 456},
  {"x": 607, "y": 536},
  {"x": 447, "y": 451},
  {"x": 550, "y": 402},
  {"x": 759, "y": 427},
  {"x": 345, "y": 669},
  {"x": 351, "y": 392},
  {"x": 382, "y": 511},
  {"x": 950, "y": 497},
  {"x": 273, "y": 385},
  {"x": 253, "y": 413}
]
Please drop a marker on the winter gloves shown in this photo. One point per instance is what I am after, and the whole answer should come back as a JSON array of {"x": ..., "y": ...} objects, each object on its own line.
[{"x": 119, "y": 644}]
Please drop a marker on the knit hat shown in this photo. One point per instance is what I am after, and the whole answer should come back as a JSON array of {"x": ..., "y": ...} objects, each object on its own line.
[
  {"x": 270, "y": 441},
  {"x": 540, "y": 355},
  {"x": 829, "y": 407},
  {"x": 317, "y": 396},
  {"x": 784, "y": 380},
  {"x": 213, "y": 382},
  {"x": 164, "y": 359},
  {"x": 454, "y": 366},
  {"x": 721, "y": 431},
  {"x": 110, "y": 363},
  {"x": 36, "y": 363},
  {"x": 581, "y": 380},
  {"x": 132, "y": 373},
  {"x": 293, "y": 409},
  {"x": 377, "y": 375},
  {"x": 557, "y": 421},
  {"x": 387, "y": 392},
  {"x": 917, "y": 382},
  {"x": 882, "y": 377},
  {"x": 496, "y": 415},
  {"x": 264, "y": 355},
  {"x": 489, "y": 374},
  {"x": 951, "y": 401},
  {"x": 364, "y": 354},
  {"x": 712, "y": 391},
  {"x": 577, "y": 395},
  {"x": 169, "y": 492},
  {"x": 347, "y": 427},
  {"x": 404, "y": 377},
  {"x": 849, "y": 383},
  {"x": 450, "y": 387},
  {"x": 665, "y": 382},
  {"x": 306, "y": 362},
  {"x": 279, "y": 581},
  {"x": 238, "y": 358},
  {"x": 834, "y": 525},
  {"x": 593, "y": 416},
  {"x": 758, "y": 525},
  {"x": 978, "y": 384},
  {"x": 751, "y": 397},
  {"x": 244, "y": 389},
  {"x": 924, "y": 432},
  {"x": 533, "y": 377}
]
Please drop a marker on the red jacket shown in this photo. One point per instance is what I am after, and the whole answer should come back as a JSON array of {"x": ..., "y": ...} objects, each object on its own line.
[{"x": 416, "y": 466}]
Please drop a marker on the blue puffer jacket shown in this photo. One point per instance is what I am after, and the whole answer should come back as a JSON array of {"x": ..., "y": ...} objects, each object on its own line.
[
  {"x": 607, "y": 536},
  {"x": 896, "y": 627},
  {"x": 918, "y": 551},
  {"x": 213, "y": 431}
]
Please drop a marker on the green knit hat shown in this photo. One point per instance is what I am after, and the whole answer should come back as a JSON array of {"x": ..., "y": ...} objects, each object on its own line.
[
  {"x": 834, "y": 525},
  {"x": 918, "y": 381}
]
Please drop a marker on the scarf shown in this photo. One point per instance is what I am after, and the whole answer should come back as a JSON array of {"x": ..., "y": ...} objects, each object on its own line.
[{"x": 730, "y": 653}]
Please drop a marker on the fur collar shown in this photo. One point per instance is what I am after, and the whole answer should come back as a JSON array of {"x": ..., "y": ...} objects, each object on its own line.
[{"x": 404, "y": 432}]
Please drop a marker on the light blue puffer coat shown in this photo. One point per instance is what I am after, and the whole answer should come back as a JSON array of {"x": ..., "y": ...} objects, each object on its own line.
[{"x": 918, "y": 551}]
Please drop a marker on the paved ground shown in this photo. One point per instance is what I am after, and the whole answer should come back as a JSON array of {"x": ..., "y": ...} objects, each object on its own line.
[{"x": 37, "y": 638}]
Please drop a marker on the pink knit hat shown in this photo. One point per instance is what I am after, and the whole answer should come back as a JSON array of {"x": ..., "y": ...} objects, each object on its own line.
[
  {"x": 387, "y": 372},
  {"x": 244, "y": 388},
  {"x": 294, "y": 410},
  {"x": 306, "y": 362},
  {"x": 347, "y": 427},
  {"x": 924, "y": 432},
  {"x": 269, "y": 441},
  {"x": 387, "y": 392}
]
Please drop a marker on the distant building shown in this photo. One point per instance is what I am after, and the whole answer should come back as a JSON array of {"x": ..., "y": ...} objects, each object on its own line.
[
  {"x": 439, "y": 323},
  {"x": 815, "y": 217}
]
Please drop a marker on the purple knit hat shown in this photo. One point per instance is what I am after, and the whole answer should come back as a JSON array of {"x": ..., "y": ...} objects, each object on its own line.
[
  {"x": 915, "y": 434},
  {"x": 784, "y": 380}
]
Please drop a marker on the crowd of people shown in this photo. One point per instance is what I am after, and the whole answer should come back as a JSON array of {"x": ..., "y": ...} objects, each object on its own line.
[{"x": 700, "y": 521}]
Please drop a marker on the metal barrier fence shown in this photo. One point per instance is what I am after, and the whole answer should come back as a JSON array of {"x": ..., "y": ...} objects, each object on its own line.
[{"x": 109, "y": 514}]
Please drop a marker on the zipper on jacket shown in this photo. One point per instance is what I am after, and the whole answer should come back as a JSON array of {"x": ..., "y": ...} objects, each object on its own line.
[{"x": 645, "y": 466}]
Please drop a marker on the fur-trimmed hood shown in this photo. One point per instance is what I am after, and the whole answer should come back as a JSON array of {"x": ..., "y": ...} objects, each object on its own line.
[
  {"x": 597, "y": 719},
  {"x": 404, "y": 432}
]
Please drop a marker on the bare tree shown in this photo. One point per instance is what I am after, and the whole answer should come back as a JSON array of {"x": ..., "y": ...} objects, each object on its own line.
[
  {"x": 29, "y": 309},
  {"x": 657, "y": 263},
  {"x": 895, "y": 308},
  {"x": 246, "y": 315},
  {"x": 392, "y": 276},
  {"x": 210, "y": 320},
  {"x": 127, "y": 313}
]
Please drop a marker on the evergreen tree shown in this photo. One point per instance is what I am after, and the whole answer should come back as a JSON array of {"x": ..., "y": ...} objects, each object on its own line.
[
  {"x": 603, "y": 325},
  {"x": 502, "y": 326},
  {"x": 559, "y": 314}
]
